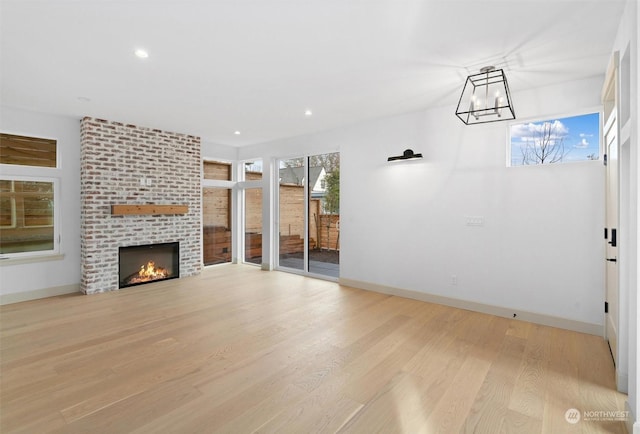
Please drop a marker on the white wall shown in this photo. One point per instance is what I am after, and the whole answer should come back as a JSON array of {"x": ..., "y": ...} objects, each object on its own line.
[
  {"x": 404, "y": 225},
  {"x": 58, "y": 276}
]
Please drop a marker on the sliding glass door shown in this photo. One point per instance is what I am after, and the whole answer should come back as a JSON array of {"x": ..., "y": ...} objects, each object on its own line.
[
  {"x": 309, "y": 214},
  {"x": 324, "y": 214}
]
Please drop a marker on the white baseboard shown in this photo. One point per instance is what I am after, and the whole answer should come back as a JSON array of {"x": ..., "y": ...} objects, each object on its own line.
[
  {"x": 35, "y": 294},
  {"x": 547, "y": 320}
]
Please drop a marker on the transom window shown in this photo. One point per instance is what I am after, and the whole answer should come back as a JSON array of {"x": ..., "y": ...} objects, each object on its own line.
[
  {"x": 555, "y": 140},
  {"x": 27, "y": 151}
]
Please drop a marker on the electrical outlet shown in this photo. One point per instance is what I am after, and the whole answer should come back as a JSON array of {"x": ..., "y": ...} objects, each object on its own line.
[
  {"x": 454, "y": 279},
  {"x": 149, "y": 182},
  {"x": 475, "y": 220},
  {"x": 143, "y": 182}
]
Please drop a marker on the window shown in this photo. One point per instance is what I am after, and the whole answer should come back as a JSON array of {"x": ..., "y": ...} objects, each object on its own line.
[
  {"x": 217, "y": 170},
  {"x": 291, "y": 213},
  {"x": 217, "y": 216},
  {"x": 253, "y": 170},
  {"x": 28, "y": 205},
  {"x": 27, "y": 151},
  {"x": 26, "y": 216},
  {"x": 555, "y": 140},
  {"x": 216, "y": 225},
  {"x": 253, "y": 225},
  {"x": 250, "y": 195}
]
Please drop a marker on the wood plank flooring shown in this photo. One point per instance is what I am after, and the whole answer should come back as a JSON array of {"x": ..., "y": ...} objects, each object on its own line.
[{"x": 239, "y": 350}]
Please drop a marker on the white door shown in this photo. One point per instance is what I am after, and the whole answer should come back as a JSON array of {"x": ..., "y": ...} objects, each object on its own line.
[{"x": 612, "y": 236}]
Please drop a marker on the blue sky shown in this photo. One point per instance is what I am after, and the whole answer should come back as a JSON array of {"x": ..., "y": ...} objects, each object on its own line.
[{"x": 580, "y": 135}]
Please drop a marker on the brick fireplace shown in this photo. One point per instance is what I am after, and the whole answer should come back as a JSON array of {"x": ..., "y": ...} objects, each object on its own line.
[{"x": 129, "y": 165}]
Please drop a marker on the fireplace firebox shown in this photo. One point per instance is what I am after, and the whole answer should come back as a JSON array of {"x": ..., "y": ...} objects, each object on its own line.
[{"x": 148, "y": 263}]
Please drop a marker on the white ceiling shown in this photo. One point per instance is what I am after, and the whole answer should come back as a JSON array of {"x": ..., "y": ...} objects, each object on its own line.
[{"x": 218, "y": 66}]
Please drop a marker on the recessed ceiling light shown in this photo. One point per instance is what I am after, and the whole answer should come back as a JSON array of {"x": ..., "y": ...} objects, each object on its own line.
[
  {"x": 236, "y": 132},
  {"x": 143, "y": 54},
  {"x": 308, "y": 113}
]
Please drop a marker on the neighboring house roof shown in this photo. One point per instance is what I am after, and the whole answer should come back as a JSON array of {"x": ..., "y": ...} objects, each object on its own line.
[{"x": 295, "y": 175}]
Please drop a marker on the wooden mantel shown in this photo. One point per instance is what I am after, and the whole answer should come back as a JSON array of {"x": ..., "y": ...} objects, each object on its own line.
[{"x": 152, "y": 209}]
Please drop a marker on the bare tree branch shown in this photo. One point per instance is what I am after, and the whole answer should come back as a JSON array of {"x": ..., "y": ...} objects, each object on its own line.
[{"x": 545, "y": 147}]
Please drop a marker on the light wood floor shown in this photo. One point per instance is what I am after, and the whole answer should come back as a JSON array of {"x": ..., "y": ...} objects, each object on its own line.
[{"x": 240, "y": 350}]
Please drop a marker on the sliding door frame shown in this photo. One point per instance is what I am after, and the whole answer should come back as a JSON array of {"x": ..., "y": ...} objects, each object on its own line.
[{"x": 276, "y": 221}]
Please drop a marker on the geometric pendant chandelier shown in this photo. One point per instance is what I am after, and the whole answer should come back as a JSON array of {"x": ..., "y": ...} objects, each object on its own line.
[{"x": 485, "y": 98}]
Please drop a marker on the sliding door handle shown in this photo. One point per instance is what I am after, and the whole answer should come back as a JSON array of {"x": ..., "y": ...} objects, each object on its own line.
[{"x": 612, "y": 260}]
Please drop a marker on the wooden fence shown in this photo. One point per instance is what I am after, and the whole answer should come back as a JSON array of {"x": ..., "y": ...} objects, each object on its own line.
[{"x": 324, "y": 232}]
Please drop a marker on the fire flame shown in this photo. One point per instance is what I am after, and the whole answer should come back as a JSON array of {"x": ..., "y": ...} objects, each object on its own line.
[{"x": 150, "y": 272}]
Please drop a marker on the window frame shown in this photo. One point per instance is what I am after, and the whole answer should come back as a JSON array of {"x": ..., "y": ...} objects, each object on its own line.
[
  {"x": 55, "y": 181},
  {"x": 540, "y": 119},
  {"x": 18, "y": 172},
  {"x": 220, "y": 184},
  {"x": 276, "y": 207}
]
